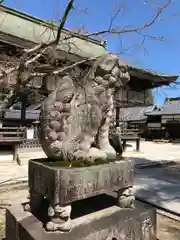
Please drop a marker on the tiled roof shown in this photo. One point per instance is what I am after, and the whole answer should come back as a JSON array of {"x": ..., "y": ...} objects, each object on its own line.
[
  {"x": 29, "y": 29},
  {"x": 135, "y": 113},
  {"x": 172, "y": 107},
  {"x": 34, "y": 30},
  {"x": 157, "y": 79}
]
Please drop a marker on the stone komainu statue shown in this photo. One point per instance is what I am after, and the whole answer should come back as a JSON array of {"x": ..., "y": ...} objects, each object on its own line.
[{"x": 75, "y": 117}]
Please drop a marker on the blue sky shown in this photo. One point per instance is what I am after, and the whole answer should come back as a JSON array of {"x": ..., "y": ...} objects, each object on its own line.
[{"x": 153, "y": 54}]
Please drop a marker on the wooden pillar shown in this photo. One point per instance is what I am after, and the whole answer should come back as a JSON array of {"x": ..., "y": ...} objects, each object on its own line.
[
  {"x": 119, "y": 98},
  {"x": 15, "y": 157},
  {"x": 24, "y": 99},
  {"x": 117, "y": 116},
  {"x": 124, "y": 145},
  {"x": 144, "y": 97},
  {"x": 137, "y": 145}
]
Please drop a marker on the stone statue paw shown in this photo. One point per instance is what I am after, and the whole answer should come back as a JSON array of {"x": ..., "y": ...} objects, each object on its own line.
[
  {"x": 110, "y": 153},
  {"x": 91, "y": 155},
  {"x": 95, "y": 153}
]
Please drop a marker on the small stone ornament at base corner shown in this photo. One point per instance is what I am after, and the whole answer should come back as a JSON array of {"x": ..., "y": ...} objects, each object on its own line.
[
  {"x": 126, "y": 198},
  {"x": 60, "y": 218}
]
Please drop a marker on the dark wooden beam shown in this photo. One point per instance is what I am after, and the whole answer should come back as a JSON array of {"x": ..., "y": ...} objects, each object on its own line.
[{"x": 24, "y": 99}]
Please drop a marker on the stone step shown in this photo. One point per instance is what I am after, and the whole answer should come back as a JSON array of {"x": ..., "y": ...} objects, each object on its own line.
[
  {"x": 32, "y": 154},
  {"x": 29, "y": 150},
  {"x": 24, "y": 155},
  {"x": 6, "y": 157},
  {"x": 164, "y": 194}
]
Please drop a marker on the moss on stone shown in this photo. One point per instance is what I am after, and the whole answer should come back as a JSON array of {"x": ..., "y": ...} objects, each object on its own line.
[
  {"x": 2, "y": 226},
  {"x": 78, "y": 163}
]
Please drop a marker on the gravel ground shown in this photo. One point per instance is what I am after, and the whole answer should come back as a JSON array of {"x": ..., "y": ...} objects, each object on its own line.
[
  {"x": 8, "y": 196},
  {"x": 167, "y": 229}
]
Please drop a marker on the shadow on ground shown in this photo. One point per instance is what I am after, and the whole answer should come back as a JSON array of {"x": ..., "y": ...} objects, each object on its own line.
[{"x": 158, "y": 183}]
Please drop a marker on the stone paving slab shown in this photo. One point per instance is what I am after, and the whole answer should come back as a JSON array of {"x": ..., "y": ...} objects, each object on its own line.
[
  {"x": 160, "y": 186},
  {"x": 159, "y": 193},
  {"x": 153, "y": 151},
  {"x": 6, "y": 156},
  {"x": 29, "y": 153}
]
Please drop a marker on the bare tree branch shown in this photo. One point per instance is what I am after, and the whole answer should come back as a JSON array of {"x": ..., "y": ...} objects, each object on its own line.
[
  {"x": 24, "y": 64},
  {"x": 60, "y": 70},
  {"x": 60, "y": 28},
  {"x": 110, "y": 30},
  {"x": 31, "y": 57},
  {"x": 9, "y": 71},
  {"x": 135, "y": 29},
  {"x": 64, "y": 19}
]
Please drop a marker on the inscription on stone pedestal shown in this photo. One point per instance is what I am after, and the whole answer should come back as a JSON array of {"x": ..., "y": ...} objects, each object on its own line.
[{"x": 65, "y": 185}]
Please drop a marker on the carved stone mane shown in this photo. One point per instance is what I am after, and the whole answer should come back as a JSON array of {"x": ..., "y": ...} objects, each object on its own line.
[{"x": 75, "y": 117}]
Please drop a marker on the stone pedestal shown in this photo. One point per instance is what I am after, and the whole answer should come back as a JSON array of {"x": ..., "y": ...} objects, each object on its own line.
[
  {"x": 64, "y": 185},
  {"x": 61, "y": 186},
  {"x": 112, "y": 223},
  {"x": 75, "y": 203}
]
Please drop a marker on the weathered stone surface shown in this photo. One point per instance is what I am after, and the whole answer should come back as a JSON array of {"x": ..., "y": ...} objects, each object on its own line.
[
  {"x": 112, "y": 223},
  {"x": 82, "y": 109},
  {"x": 62, "y": 185},
  {"x": 13, "y": 219}
]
